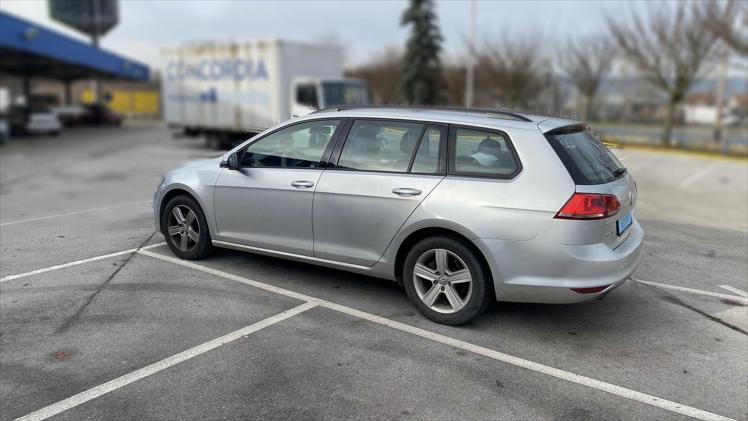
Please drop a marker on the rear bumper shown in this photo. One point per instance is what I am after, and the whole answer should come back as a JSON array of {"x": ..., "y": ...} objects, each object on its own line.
[{"x": 541, "y": 271}]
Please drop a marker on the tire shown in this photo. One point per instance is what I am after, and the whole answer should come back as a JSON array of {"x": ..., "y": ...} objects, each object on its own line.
[
  {"x": 193, "y": 228},
  {"x": 474, "y": 295}
]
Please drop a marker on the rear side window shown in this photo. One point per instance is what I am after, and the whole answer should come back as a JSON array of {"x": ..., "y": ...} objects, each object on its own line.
[
  {"x": 586, "y": 158},
  {"x": 428, "y": 156},
  {"x": 482, "y": 153},
  {"x": 380, "y": 145}
]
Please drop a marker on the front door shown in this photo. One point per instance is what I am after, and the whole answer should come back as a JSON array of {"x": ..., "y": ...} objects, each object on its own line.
[
  {"x": 267, "y": 203},
  {"x": 385, "y": 170}
]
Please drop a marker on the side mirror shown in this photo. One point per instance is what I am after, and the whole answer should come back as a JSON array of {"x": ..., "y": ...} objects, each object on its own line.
[{"x": 233, "y": 161}]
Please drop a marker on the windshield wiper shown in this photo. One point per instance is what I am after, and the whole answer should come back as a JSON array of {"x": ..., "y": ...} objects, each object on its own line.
[{"x": 619, "y": 172}]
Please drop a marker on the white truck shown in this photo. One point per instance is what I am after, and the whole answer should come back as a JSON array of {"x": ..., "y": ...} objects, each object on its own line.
[{"x": 229, "y": 91}]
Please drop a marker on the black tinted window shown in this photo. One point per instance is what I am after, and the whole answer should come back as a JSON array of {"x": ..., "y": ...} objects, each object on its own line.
[
  {"x": 307, "y": 95},
  {"x": 586, "y": 158}
]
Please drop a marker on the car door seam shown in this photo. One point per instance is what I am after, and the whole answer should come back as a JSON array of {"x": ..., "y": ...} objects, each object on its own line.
[{"x": 384, "y": 252}]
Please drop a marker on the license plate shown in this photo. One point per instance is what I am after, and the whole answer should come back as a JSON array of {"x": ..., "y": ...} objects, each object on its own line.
[{"x": 624, "y": 223}]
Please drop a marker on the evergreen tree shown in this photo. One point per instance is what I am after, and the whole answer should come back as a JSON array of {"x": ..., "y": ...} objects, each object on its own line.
[{"x": 421, "y": 71}]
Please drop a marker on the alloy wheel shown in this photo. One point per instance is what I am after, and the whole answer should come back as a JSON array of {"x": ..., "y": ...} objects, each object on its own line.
[
  {"x": 184, "y": 228},
  {"x": 442, "y": 281}
]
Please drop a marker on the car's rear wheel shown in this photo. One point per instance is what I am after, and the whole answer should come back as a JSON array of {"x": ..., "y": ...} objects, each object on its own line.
[
  {"x": 446, "y": 281},
  {"x": 185, "y": 228}
]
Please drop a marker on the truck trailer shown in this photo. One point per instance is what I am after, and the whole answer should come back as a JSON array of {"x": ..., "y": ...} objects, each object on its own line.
[{"x": 230, "y": 91}]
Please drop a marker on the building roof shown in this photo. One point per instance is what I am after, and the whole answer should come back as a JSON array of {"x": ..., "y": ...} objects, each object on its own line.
[{"x": 29, "y": 49}]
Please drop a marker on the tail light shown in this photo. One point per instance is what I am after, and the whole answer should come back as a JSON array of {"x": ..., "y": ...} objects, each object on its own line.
[{"x": 589, "y": 206}]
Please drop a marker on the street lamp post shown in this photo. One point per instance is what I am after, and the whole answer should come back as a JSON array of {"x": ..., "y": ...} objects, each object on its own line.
[{"x": 470, "y": 76}]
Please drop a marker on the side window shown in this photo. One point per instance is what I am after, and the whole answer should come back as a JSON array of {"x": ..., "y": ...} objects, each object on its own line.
[
  {"x": 380, "y": 145},
  {"x": 479, "y": 152},
  {"x": 306, "y": 94},
  {"x": 299, "y": 146},
  {"x": 427, "y": 157}
]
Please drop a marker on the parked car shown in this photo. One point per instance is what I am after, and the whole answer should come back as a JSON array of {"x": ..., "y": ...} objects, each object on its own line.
[
  {"x": 69, "y": 115},
  {"x": 33, "y": 120},
  {"x": 462, "y": 207},
  {"x": 98, "y": 114}
]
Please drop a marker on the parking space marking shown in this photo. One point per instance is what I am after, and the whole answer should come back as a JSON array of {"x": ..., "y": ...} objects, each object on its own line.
[
  {"x": 41, "y": 218},
  {"x": 698, "y": 175},
  {"x": 154, "y": 368},
  {"x": 76, "y": 263},
  {"x": 232, "y": 277},
  {"x": 496, "y": 355},
  {"x": 735, "y": 298},
  {"x": 735, "y": 290}
]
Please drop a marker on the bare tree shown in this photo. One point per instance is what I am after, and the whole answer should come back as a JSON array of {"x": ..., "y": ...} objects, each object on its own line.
[
  {"x": 727, "y": 20},
  {"x": 511, "y": 70},
  {"x": 586, "y": 62},
  {"x": 382, "y": 74},
  {"x": 666, "y": 46}
]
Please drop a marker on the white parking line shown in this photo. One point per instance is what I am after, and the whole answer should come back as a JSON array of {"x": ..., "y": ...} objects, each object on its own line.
[
  {"x": 41, "y": 218},
  {"x": 312, "y": 301},
  {"x": 735, "y": 290},
  {"x": 735, "y": 298},
  {"x": 496, "y": 355},
  {"x": 76, "y": 263},
  {"x": 154, "y": 368},
  {"x": 698, "y": 174}
]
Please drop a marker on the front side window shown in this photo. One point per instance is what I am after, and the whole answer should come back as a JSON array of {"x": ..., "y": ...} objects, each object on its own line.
[
  {"x": 380, "y": 145},
  {"x": 483, "y": 153},
  {"x": 299, "y": 146},
  {"x": 306, "y": 94}
]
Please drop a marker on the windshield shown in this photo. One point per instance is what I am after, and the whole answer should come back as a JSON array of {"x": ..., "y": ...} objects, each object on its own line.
[
  {"x": 586, "y": 158},
  {"x": 345, "y": 93}
]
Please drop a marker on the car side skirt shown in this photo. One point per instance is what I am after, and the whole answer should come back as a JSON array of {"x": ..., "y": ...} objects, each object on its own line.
[{"x": 366, "y": 270}]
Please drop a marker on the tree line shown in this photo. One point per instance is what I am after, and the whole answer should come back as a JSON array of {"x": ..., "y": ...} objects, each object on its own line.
[{"x": 668, "y": 45}]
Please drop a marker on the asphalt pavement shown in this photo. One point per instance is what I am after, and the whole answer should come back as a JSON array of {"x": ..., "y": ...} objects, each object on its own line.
[{"x": 99, "y": 321}]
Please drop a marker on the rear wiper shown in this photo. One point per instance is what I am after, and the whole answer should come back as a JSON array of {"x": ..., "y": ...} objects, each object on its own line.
[{"x": 619, "y": 172}]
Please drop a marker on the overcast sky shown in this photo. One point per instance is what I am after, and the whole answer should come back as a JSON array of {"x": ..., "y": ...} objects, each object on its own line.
[{"x": 364, "y": 28}]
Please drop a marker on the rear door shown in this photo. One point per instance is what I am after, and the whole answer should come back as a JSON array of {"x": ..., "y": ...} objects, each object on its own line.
[
  {"x": 384, "y": 170},
  {"x": 595, "y": 169}
]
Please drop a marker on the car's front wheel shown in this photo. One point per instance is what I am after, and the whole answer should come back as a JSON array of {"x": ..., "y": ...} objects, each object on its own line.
[
  {"x": 185, "y": 228},
  {"x": 445, "y": 281}
]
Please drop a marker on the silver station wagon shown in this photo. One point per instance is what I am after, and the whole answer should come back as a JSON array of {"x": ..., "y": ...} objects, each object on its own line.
[{"x": 463, "y": 207}]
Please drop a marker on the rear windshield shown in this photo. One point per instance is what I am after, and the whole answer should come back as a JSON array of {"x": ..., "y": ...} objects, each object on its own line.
[{"x": 586, "y": 158}]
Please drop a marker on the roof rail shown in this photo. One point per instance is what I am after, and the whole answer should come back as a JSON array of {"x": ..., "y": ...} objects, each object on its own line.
[{"x": 499, "y": 112}]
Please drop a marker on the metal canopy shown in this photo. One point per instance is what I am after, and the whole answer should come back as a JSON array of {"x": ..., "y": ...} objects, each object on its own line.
[{"x": 28, "y": 49}]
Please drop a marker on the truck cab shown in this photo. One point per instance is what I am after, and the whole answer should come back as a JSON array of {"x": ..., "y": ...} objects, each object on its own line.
[{"x": 312, "y": 94}]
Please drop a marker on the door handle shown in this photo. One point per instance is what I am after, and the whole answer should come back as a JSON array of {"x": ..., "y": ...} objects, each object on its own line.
[
  {"x": 302, "y": 184},
  {"x": 406, "y": 192}
]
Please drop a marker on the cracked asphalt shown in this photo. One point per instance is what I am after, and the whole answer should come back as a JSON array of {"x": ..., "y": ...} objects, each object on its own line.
[{"x": 70, "y": 329}]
